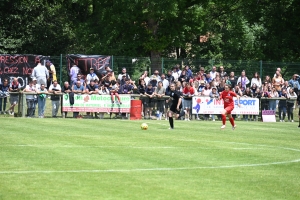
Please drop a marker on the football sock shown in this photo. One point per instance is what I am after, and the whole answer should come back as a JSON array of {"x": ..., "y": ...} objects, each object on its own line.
[
  {"x": 231, "y": 121},
  {"x": 223, "y": 119},
  {"x": 171, "y": 122}
]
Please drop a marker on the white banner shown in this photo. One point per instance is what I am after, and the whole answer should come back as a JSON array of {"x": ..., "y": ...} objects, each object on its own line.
[
  {"x": 207, "y": 105},
  {"x": 96, "y": 103}
]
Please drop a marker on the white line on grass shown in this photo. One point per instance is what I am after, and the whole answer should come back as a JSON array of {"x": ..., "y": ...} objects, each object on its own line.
[{"x": 146, "y": 169}]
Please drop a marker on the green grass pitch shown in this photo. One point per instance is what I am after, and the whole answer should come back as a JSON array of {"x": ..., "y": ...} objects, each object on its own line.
[{"x": 114, "y": 159}]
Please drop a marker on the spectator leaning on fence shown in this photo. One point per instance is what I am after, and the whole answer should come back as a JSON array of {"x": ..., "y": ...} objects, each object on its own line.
[
  {"x": 41, "y": 97},
  {"x": 282, "y": 108},
  {"x": 4, "y": 89},
  {"x": 188, "y": 93},
  {"x": 67, "y": 89},
  {"x": 14, "y": 87},
  {"x": 55, "y": 89},
  {"x": 159, "y": 93},
  {"x": 30, "y": 98}
]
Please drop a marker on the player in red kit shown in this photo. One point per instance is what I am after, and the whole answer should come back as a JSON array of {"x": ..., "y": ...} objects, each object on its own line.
[{"x": 227, "y": 96}]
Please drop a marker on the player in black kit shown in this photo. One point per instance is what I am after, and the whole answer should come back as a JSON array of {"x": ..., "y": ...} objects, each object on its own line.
[{"x": 176, "y": 105}]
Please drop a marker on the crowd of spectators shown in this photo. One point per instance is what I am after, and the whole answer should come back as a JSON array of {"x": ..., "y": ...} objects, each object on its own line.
[{"x": 280, "y": 94}]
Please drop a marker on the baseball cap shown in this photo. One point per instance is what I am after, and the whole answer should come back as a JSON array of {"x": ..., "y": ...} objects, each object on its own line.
[
  {"x": 91, "y": 68},
  {"x": 34, "y": 79}
]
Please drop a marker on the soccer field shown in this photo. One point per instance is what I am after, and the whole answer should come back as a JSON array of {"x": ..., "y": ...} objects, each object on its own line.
[{"x": 114, "y": 159}]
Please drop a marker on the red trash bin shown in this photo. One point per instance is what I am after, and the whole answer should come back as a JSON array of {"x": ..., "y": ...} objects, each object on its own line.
[{"x": 135, "y": 110}]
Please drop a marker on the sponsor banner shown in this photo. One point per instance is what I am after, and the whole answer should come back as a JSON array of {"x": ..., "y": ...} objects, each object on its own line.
[
  {"x": 19, "y": 66},
  {"x": 207, "y": 105},
  {"x": 268, "y": 115},
  {"x": 96, "y": 103}
]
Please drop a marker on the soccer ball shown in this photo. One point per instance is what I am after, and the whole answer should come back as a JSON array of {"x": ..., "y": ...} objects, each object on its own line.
[{"x": 144, "y": 126}]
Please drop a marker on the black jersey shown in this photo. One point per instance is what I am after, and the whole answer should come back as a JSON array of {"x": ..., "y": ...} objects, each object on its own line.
[{"x": 176, "y": 96}]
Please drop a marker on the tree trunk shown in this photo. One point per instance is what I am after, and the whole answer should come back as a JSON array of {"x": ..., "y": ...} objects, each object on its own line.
[{"x": 155, "y": 62}]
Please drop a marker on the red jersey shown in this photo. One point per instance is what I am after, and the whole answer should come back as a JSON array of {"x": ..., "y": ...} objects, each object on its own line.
[
  {"x": 187, "y": 91},
  {"x": 228, "y": 98}
]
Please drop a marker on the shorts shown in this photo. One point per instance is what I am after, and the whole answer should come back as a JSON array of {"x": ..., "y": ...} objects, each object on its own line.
[
  {"x": 229, "y": 109},
  {"x": 187, "y": 103},
  {"x": 14, "y": 99},
  {"x": 174, "y": 110}
]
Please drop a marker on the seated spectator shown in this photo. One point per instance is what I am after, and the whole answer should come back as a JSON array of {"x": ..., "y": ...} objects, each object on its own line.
[{"x": 114, "y": 92}]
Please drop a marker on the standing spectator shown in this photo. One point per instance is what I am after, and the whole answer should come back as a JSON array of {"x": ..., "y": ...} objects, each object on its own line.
[
  {"x": 66, "y": 89},
  {"x": 208, "y": 78},
  {"x": 256, "y": 80},
  {"x": 243, "y": 80},
  {"x": 149, "y": 93},
  {"x": 298, "y": 104},
  {"x": 52, "y": 72},
  {"x": 278, "y": 71},
  {"x": 91, "y": 88},
  {"x": 188, "y": 72},
  {"x": 124, "y": 72},
  {"x": 257, "y": 94},
  {"x": 247, "y": 93},
  {"x": 78, "y": 89},
  {"x": 175, "y": 74},
  {"x": 36, "y": 86},
  {"x": 213, "y": 72},
  {"x": 14, "y": 98},
  {"x": 127, "y": 88},
  {"x": 41, "y": 97},
  {"x": 267, "y": 80},
  {"x": 30, "y": 98},
  {"x": 164, "y": 81},
  {"x": 41, "y": 73},
  {"x": 282, "y": 108},
  {"x": 232, "y": 79},
  {"x": 156, "y": 75},
  {"x": 55, "y": 89},
  {"x": 292, "y": 96},
  {"x": 214, "y": 95},
  {"x": 159, "y": 93},
  {"x": 272, "y": 102},
  {"x": 277, "y": 82},
  {"x": 153, "y": 81},
  {"x": 74, "y": 71},
  {"x": 91, "y": 76},
  {"x": 79, "y": 78},
  {"x": 145, "y": 77},
  {"x": 4, "y": 89},
  {"x": 188, "y": 93},
  {"x": 294, "y": 82},
  {"x": 183, "y": 77},
  {"x": 222, "y": 72}
]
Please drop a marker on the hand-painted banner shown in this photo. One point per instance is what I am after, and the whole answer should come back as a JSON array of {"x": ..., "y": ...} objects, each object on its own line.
[
  {"x": 19, "y": 66},
  {"x": 85, "y": 62},
  {"x": 207, "y": 105},
  {"x": 96, "y": 103}
]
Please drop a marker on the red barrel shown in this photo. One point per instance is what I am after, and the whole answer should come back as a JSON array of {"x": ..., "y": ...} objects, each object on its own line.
[{"x": 135, "y": 110}]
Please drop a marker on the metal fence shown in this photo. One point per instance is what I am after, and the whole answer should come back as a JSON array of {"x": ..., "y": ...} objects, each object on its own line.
[{"x": 136, "y": 65}]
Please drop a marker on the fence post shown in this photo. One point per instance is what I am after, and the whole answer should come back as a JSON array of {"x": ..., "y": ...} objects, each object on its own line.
[
  {"x": 260, "y": 68},
  {"x": 24, "y": 104},
  {"x": 60, "y": 70}
]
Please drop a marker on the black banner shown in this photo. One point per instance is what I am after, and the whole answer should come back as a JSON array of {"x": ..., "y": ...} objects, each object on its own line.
[
  {"x": 19, "y": 66},
  {"x": 85, "y": 62}
]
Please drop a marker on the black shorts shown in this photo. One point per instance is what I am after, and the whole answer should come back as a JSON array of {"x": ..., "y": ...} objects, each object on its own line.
[{"x": 173, "y": 108}]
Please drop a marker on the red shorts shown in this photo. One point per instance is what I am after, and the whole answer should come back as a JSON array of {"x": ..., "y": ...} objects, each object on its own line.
[{"x": 229, "y": 109}]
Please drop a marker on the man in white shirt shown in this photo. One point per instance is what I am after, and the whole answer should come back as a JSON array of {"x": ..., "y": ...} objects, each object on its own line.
[
  {"x": 213, "y": 72},
  {"x": 124, "y": 72},
  {"x": 41, "y": 73},
  {"x": 91, "y": 76}
]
